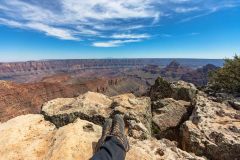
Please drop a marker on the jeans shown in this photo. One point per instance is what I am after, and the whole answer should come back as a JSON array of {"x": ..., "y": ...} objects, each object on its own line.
[{"x": 112, "y": 149}]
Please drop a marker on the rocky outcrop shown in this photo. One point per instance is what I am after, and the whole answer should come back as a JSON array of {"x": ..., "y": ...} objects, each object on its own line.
[
  {"x": 172, "y": 104},
  {"x": 31, "y": 137},
  {"x": 90, "y": 106},
  {"x": 179, "y": 90},
  {"x": 137, "y": 113},
  {"x": 168, "y": 115},
  {"x": 213, "y": 130},
  {"x": 70, "y": 127},
  {"x": 96, "y": 107}
]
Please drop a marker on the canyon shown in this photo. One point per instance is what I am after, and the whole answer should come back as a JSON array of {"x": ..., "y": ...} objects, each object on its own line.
[
  {"x": 175, "y": 121},
  {"x": 25, "y": 86}
]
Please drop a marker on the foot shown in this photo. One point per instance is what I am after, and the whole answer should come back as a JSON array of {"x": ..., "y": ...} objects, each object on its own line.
[
  {"x": 118, "y": 127},
  {"x": 106, "y": 130}
]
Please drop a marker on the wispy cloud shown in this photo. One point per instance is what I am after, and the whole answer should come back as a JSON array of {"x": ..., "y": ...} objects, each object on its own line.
[
  {"x": 185, "y": 9},
  {"x": 114, "y": 43},
  {"x": 130, "y": 36},
  {"x": 115, "y": 22},
  {"x": 60, "y": 33},
  {"x": 193, "y": 34},
  {"x": 53, "y": 31}
]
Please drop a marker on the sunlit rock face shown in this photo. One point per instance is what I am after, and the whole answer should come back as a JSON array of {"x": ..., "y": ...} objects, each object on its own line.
[
  {"x": 96, "y": 107},
  {"x": 177, "y": 121},
  {"x": 31, "y": 137},
  {"x": 213, "y": 130}
]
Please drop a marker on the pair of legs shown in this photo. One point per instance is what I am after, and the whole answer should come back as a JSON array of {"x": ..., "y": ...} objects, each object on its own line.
[{"x": 113, "y": 143}]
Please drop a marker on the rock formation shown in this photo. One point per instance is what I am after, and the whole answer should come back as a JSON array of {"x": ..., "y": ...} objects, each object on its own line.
[
  {"x": 36, "y": 82},
  {"x": 30, "y": 137},
  {"x": 95, "y": 107},
  {"x": 199, "y": 76},
  {"x": 168, "y": 115},
  {"x": 176, "y": 122},
  {"x": 17, "y": 99},
  {"x": 178, "y": 90},
  {"x": 172, "y": 104},
  {"x": 213, "y": 130},
  {"x": 174, "y": 70}
]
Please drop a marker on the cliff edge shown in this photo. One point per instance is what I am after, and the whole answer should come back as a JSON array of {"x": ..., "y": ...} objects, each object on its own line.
[{"x": 176, "y": 121}]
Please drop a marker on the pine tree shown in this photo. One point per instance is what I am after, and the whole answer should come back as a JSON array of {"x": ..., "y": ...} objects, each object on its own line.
[{"x": 227, "y": 78}]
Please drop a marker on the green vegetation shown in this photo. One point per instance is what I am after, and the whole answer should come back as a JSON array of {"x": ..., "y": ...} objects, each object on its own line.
[{"x": 227, "y": 79}]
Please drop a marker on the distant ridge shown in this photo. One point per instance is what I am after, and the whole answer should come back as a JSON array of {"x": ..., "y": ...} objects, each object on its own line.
[{"x": 191, "y": 62}]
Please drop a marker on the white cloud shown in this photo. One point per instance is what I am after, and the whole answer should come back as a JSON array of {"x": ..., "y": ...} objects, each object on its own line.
[
  {"x": 130, "y": 36},
  {"x": 77, "y": 18},
  {"x": 84, "y": 31},
  {"x": 19, "y": 10},
  {"x": 114, "y": 43},
  {"x": 53, "y": 31},
  {"x": 11, "y": 23},
  {"x": 106, "y": 9},
  {"x": 48, "y": 30},
  {"x": 186, "y": 10},
  {"x": 92, "y": 19}
]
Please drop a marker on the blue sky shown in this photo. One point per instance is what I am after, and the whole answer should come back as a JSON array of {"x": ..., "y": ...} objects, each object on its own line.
[{"x": 67, "y": 29}]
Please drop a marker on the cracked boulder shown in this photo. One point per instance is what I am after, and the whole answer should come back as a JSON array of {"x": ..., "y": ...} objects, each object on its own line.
[
  {"x": 91, "y": 106},
  {"x": 213, "y": 130},
  {"x": 96, "y": 107},
  {"x": 168, "y": 115}
]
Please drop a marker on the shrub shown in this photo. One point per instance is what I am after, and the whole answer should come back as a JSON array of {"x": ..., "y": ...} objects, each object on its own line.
[{"x": 227, "y": 78}]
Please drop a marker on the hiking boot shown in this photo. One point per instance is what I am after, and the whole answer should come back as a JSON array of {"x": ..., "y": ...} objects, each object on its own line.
[
  {"x": 118, "y": 131},
  {"x": 106, "y": 130}
]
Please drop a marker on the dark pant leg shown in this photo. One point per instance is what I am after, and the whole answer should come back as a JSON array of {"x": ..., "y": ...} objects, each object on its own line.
[{"x": 111, "y": 150}]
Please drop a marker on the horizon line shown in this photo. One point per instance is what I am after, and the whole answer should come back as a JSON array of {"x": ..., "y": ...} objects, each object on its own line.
[{"x": 38, "y": 60}]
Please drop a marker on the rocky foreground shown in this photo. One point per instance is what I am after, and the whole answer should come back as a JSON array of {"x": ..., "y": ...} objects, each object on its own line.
[{"x": 176, "y": 122}]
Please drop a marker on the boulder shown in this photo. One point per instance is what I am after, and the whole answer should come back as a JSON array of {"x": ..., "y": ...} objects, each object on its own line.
[
  {"x": 30, "y": 137},
  {"x": 178, "y": 90},
  {"x": 168, "y": 115},
  {"x": 91, "y": 106},
  {"x": 96, "y": 107},
  {"x": 213, "y": 130},
  {"x": 172, "y": 104},
  {"x": 25, "y": 137},
  {"x": 137, "y": 114},
  {"x": 184, "y": 91}
]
